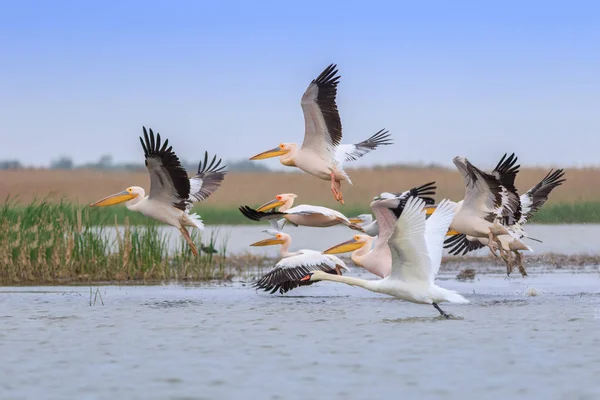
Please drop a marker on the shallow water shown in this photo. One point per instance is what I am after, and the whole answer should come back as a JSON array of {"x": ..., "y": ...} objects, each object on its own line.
[
  {"x": 327, "y": 341},
  {"x": 563, "y": 239}
]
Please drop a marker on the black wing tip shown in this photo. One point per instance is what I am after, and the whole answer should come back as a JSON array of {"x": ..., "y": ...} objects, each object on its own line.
[
  {"x": 213, "y": 167},
  {"x": 328, "y": 77}
]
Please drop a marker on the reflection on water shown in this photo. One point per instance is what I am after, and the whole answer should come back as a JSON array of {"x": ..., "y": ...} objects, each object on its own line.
[{"x": 324, "y": 341}]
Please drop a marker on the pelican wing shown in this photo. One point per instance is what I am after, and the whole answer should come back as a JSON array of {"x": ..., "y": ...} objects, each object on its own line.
[
  {"x": 461, "y": 244},
  {"x": 306, "y": 209},
  {"x": 493, "y": 195},
  {"x": 534, "y": 198},
  {"x": 351, "y": 152},
  {"x": 435, "y": 232},
  {"x": 169, "y": 182},
  {"x": 323, "y": 127},
  {"x": 254, "y": 215},
  {"x": 207, "y": 180},
  {"x": 410, "y": 258},
  {"x": 288, "y": 272}
]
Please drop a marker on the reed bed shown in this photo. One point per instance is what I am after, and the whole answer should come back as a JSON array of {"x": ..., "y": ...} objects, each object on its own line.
[{"x": 47, "y": 243}]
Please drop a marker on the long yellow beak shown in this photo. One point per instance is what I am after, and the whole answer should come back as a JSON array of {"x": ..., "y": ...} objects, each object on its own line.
[
  {"x": 267, "y": 242},
  {"x": 114, "y": 199},
  {"x": 277, "y": 151},
  {"x": 345, "y": 247},
  {"x": 270, "y": 205},
  {"x": 452, "y": 232},
  {"x": 355, "y": 220},
  {"x": 430, "y": 209}
]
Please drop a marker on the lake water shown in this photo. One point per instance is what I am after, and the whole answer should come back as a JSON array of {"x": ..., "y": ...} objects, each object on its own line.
[
  {"x": 327, "y": 341},
  {"x": 564, "y": 239}
]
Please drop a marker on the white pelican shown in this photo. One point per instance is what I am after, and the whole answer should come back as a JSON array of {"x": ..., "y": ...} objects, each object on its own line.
[
  {"x": 416, "y": 247},
  {"x": 367, "y": 223},
  {"x": 531, "y": 202},
  {"x": 305, "y": 215},
  {"x": 287, "y": 272},
  {"x": 490, "y": 202},
  {"x": 387, "y": 207},
  {"x": 321, "y": 154},
  {"x": 172, "y": 194}
]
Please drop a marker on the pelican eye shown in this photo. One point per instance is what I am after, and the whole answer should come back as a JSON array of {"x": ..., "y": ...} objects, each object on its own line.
[
  {"x": 278, "y": 197},
  {"x": 278, "y": 236},
  {"x": 357, "y": 238},
  {"x": 282, "y": 146}
]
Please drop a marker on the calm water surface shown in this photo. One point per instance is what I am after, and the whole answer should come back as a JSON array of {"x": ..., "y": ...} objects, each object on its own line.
[
  {"x": 326, "y": 341},
  {"x": 563, "y": 239}
]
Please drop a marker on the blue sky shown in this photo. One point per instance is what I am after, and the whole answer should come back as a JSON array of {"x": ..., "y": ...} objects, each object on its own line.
[{"x": 468, "y": 78}]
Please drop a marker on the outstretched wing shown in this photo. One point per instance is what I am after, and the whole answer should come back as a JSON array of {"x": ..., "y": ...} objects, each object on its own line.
[
  {"x": 435, "y": 232},
  {"x": 535, "y": 197},
  {"x": 410, "y": 258},
  {"x": 461, "y": 244},
  {"x": 207, "y": 180},
  {"x": 169, "y": 182},
  {"x": 254, "y": 215},
  {"x": 351, "y": 152},
  {"x": 323, "y": 127},
  {"x": 288, "y": 272}
]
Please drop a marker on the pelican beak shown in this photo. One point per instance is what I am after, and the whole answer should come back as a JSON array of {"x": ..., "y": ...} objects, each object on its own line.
[
  {"x": 114, "y": 199},
  {"x": 345, "y": 247},
  {"x": 429, "y": 209},
  {"x": 355, "y": 220},
  {"x": 452, "y": 232},
  {"x": 270, "y": 205},
  {"x": 267, "y": 242},
  {"x": 277, "y": 151}
]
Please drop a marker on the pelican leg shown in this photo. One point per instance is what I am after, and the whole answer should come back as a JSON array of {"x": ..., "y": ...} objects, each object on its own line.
[
  {"x": 491, "y": 243},
  {"x": 336, "y": 188},
  {"x": 440, "y": 310},
  {"x": 188, "y": 239},
  {"x": 519, "y": 258}
]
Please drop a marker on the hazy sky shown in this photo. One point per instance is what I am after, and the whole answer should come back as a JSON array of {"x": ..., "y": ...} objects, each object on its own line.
[{"x": 447, "y": 78}]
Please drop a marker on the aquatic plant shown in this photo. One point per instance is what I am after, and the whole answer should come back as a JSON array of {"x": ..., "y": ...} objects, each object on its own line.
[{"x": 53, "y": 243}]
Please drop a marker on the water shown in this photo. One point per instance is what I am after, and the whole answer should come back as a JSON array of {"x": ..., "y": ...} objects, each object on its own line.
[
  {"x": 563, "y": 239},
  {"x": 326, "y": 341}
]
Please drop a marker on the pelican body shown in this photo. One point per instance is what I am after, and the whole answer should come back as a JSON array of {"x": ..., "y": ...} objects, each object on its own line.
[
  {"x": 287, "y": 272},
  {"x": 305, "y": 215},
  {"x": 322, "y": 154},
  {"x": 416, "y": 248},
  {"x": 172, "y": 194}
]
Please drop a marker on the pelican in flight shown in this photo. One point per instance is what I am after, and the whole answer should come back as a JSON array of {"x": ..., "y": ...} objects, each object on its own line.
[
  {"x": 531, "y": 202},
  {"x": 305, "y": 215},
  {"x": 322, "y": 154},
  {"x": 491, "y": 200},
  {"x": 293, "y": 266},
  {"x": 416, "y": 249},
  {"x": 387, "y": 207},
  {"x": 172, "y": 194}
]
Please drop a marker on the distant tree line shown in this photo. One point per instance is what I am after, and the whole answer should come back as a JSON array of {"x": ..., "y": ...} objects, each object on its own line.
[{"x": 105, "y": 162}]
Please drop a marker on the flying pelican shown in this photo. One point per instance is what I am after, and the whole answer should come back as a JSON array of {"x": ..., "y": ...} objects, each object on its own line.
[
  {"x": 321, "y": 154},
  {"x": 305, "y": 215},
  {"x": 172, "y": 194},
  {"x": 491, "y": 201},
  {"x": 416, "y": 248},
  {"x": 287, "y": 272},
  {"x": 531, "y": 202},
  {"x": 387, "y": 207}
]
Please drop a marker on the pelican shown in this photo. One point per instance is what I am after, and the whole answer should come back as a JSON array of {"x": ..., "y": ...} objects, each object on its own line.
[
  {"x": 491, "y": 200},
  {"x": 287, "y": 272},
  {"x": 387, "y": 207},
  {"x": 321, "y": 153},
  {"x": 305, "y": 215},
  {"x": 172, "y": 194},
  {"x": 416, "y": 248},
  {"x": 531, "y": 202}
]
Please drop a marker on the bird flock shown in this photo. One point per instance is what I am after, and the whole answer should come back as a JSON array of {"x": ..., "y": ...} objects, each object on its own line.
[{"x": 401, "y": 242}]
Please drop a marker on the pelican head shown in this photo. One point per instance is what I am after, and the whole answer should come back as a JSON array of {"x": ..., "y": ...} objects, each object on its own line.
[
  {"x": 278, "y": 201},
  {"x": 278, "y": 238},
  {"x": 357, "y": 242},
  {"x": 362, "y": 219},
  {"x": 387, "y": 200},
  {"x": 133, "y": 192},
  {"x": 284, "y": 150},
  {"x": 314, "y": 276}
]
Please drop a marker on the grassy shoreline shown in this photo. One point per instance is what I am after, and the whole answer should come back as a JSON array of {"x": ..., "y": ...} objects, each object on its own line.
[{"x": 553, "y": 213}]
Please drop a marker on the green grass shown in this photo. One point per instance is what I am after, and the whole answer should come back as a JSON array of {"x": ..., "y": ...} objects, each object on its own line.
[
  {"x": 49, "y": 243},
  {"x": 557, "y": 213}
]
